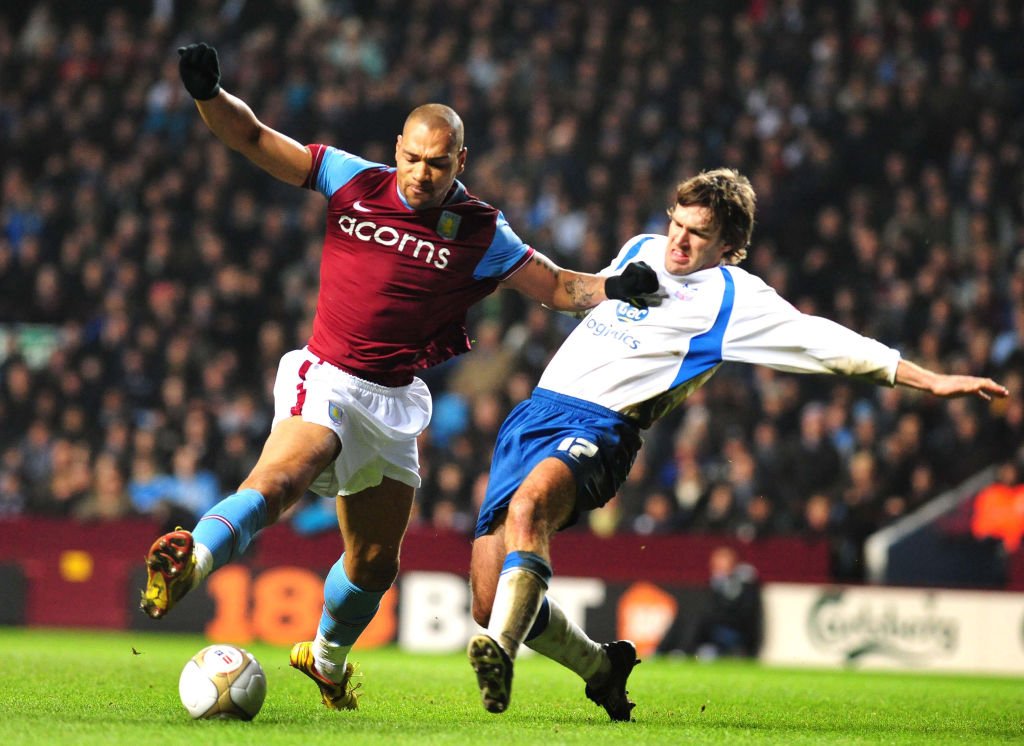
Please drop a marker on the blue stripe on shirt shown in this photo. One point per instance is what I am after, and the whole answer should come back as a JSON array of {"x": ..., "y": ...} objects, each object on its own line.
[
  {"x": 632, "y": 252},
  {"x": 706, "y": 349},
  {"x": 339, "y": 167}
]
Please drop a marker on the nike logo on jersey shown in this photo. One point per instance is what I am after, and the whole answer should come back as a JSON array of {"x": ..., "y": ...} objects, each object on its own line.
[{"x": 358, "y": 206}]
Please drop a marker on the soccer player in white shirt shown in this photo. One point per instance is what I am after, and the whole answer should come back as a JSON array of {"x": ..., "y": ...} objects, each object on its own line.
[{"x": 568, "y": 448}]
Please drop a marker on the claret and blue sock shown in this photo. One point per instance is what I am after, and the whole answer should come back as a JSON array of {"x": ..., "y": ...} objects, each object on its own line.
[
  {"x": 348, "y": 609},
  {"x": 225, "y": 530}
]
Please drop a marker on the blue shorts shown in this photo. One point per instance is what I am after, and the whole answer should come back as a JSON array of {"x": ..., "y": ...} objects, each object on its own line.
[{"x": 597, "y": 444}]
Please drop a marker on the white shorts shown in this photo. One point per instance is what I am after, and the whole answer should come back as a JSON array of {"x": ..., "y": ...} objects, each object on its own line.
[{"x": 377, "y": 425}]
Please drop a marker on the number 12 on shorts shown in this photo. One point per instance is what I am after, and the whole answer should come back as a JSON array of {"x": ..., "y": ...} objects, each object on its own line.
[{"x": 578, "y": 447}]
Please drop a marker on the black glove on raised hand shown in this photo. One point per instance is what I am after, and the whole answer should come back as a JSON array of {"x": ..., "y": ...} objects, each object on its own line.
[
  {"x": 637, "y": 285},
  {"x": 199, "y": 70}
]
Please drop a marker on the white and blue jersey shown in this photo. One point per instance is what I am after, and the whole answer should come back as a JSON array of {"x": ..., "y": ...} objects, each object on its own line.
[
  {"x": 643, "y": 363},
  {"x": 637, "y": 364}
]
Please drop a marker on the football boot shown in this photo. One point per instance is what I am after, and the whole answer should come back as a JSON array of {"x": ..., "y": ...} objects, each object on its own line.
[
  {"x": 611, "y": 692},
  {"x": 335, "y": 696},
  {"x": 493, "y": 668},
  {"x": 171, "y": 564}
]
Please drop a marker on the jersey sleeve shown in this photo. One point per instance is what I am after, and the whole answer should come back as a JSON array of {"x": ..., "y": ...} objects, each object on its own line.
[
  {"x": 766, "y": 330},
  {"x": 506, "y": 254},
  {"x": 333, "y": 168}
]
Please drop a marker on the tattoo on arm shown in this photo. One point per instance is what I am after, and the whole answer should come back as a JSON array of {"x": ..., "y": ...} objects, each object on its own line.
[
  {"x": 580, "y": 292},
  {"x": 546, "y": 263}
]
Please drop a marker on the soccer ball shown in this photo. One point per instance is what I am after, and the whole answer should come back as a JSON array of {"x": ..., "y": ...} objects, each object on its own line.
[{"x": 222, "y": 681}]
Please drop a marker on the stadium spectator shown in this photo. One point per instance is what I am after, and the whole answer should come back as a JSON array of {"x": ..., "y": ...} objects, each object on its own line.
[
  {"x": 487, "y": 369},
  {"x": 448, "y": 505},
  {"x": 810, "y": 461},
  {"x": 70, "y": 479},
  {"x": 718, "y": 512},
  {"x": 108, "y": 499},
  {"x": 348, "y": 406},
  {"x": 759, "y": 520},
  {"x": 17, "y": 399},
  {"x": 999, "y": 508},
  {"x": 731, "y": 620},
  {"x": 189, "y": 488},
  {"x": 147, "y": 485},
  {"x": 658, "y": 515},
  {"x": 12, "y": 493},
  {"x": 568, "y": 448}
]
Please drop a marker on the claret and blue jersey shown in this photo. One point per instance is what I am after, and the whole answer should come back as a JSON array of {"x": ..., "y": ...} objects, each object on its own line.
[{"x": 395, "y": 283}]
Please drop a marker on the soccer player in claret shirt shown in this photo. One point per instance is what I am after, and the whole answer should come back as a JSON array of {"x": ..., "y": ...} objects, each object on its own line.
[
  {"x": 568, "y": 448},
  {"x": 407, "y": 251}
]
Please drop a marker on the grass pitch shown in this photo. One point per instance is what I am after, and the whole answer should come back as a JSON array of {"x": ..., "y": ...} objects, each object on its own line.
[{"x": 76, "y": 687}]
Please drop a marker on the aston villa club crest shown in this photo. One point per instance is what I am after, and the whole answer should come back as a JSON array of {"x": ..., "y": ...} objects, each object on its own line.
[
  {"x": 334, "y": 412},
  {"x": 448, "y": 225}
]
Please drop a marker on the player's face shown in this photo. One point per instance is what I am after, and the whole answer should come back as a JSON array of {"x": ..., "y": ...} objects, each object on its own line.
[
  {"x": 427, "y": 164},
  {"x": 692, "y": 246}
]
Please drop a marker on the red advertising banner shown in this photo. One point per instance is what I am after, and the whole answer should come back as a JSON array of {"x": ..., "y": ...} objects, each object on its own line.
[{"x": 61, "y": 573}]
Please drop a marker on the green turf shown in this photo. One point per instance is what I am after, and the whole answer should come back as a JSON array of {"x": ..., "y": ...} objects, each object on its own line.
[{"x": 70, "y": 687}]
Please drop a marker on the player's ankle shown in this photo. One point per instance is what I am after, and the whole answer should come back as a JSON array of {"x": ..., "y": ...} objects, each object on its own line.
[{"x": 603, "y": 671}]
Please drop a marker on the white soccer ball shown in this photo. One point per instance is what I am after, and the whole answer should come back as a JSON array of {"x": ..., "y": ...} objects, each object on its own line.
[{"x": 223, "y": 681}]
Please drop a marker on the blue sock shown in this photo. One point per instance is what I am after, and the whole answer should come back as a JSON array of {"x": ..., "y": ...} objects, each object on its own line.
[
  {"x": 528, "y": 561},
  {"x": 347, "y": 607},
  {"x": 227, "y": 528},
  {"x": 541, "y": 622}
]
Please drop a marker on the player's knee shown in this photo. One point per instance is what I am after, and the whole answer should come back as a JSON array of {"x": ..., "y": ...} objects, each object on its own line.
[{"x": 526, "y": 514}]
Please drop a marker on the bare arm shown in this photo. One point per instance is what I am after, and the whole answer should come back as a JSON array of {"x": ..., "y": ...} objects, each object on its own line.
[
  {"x": 233, "y": 122},
  {"x": 557, "y": 288},
  {"x": 913, "y": 375}
]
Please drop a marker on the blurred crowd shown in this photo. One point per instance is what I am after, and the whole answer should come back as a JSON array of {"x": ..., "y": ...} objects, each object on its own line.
[{"x": 150, "y": 278}]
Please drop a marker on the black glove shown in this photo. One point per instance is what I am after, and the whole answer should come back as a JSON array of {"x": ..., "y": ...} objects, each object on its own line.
[
  {"x": 637, "y": 285},
  {"x": 199, "y": 70}
]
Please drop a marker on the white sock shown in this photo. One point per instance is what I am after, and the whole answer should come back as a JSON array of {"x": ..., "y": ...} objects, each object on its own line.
[
  {"x": 565, "y": 642},
  {"x": 204, "y": 564},
  {"x": 330, "y": 658},
  {"x": 517, "y": 600}
]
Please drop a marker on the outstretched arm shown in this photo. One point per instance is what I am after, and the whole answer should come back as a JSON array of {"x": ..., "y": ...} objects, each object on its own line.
[
  {"x": 234, "y": 123},
  {"x": 766, "y": 330},
  {"x": 566, "y": 290},
  {"x": 945, "y": 385}
]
